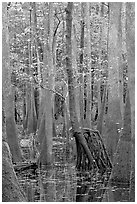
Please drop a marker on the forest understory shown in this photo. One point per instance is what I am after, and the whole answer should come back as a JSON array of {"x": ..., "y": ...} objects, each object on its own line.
[{"x": 68, "y": 102}]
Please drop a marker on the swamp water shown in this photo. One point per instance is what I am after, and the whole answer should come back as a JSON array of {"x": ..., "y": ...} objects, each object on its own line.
[{"x": 63, "y": 183}]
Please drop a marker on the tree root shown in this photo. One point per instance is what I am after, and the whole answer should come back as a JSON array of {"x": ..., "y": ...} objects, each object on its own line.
[{"x": 91, "y": 151}]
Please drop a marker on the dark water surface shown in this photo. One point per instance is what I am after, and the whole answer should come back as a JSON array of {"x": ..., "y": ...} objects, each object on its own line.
[{"x": 63, "y": 183}]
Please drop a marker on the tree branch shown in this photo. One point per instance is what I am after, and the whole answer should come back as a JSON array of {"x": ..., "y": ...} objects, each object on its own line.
[
  {"x": 55, "y": 32},
  {"x": 52, "y": 91}
]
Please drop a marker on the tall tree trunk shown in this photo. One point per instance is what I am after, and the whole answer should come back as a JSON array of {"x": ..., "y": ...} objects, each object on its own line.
[
  {"x": 102, "y": 110},
  {"x": 11, "y": 190},
  {"x": 31, "y": 118},
  {"x": 8, "y": 91},
  {"x": 103, "y": 82},
  {"x": 38, "y": 49},
  {"x": 88, "y": 104},
  {"x": 121, "y": 33},
  {"x": 113, "y": 120},
  {"x": 73, "y": 116},
  {"x": 101, "y": 38},
  {"x": 81, "y": 96},
  {"x": 122, "y": 161},
  {"x": 37, "y": 40},
  {"x": 75, "y": 68},
  {"x": 71, "y": 85},
  {"x": 46, "y": 145},
  {"x": 130, "y": 43}
]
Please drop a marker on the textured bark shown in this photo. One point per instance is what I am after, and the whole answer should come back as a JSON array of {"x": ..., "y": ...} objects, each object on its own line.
[
  {"x": 113, "y": 120},
  {"x": 101, "y": 39},
  {"x": 81, "y": 94},
  {"x": 44, "y": 138},
  {"x": 75, "y": 68},
  {"x": 122, "y": 164},
  {"x": 72, "y": 109},
  {"x": 88, "y": 104},
  {"x": 48, "y": 76},
  {"x": 71, "y": 84},
  {"x": 27, "y": 105},
  {"x": 32, "y": 117},
  {"x": 41, "y": 107},
  {"x": 102, "y": 110},
  {"x": 38, "y": 47},
  {"x": 38, "y": 44},
  {"x": 121, "y": 42},
  {"x": 122, "y": 161},
  {"x": 130, "y": 43},
  {"x": 8, "y": 91},
  {"x": 11, "y": 191},
  {"x": 30, "y": 123}
]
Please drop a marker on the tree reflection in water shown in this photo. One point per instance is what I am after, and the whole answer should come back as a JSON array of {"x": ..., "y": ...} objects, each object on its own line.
[
  {"x": 91, "y": 187},
  {"x": 61, "y": 182}
]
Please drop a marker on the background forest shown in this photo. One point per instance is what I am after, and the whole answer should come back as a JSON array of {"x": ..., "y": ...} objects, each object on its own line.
[{"x": 68, "y": 101}]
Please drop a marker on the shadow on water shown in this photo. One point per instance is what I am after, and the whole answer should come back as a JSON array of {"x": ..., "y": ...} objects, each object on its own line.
[
  {"x": 91, "y": 187},
  {"x": 55, "y": 184},
  {"x": 97, "y": 188},
  {"x": 116, "y": 192},
  {"x": 61, "y": 182}
]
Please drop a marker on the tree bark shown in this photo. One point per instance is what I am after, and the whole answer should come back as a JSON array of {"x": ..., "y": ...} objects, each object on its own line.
[
  {"x": 122, "y": 161},
  {"x": 11, "y": 190},
  {"x": 48, "y": 79},
  {"x": 81, "y": 94},
  {"x": 130, "y": 43},
  {"x": 88, "y": 104},
  {"x": 102, "y": 110},
  {"x": 73, "y": 116},
  {"x": 8, "y": 91},
  {"x": 75, "y": 72},
  {"x": 121, "y": 40},
  {"x": 100, "y": 77},
  {"x": 113, "y": 120},
  {"x": 38, "y": 48}
]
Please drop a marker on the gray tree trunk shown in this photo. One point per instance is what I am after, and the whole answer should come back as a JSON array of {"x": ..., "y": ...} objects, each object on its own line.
[
  {"x": 130, "y": 42},
  {"x": 113, "y": 120},
  {"x": 8, "y": 91}
]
